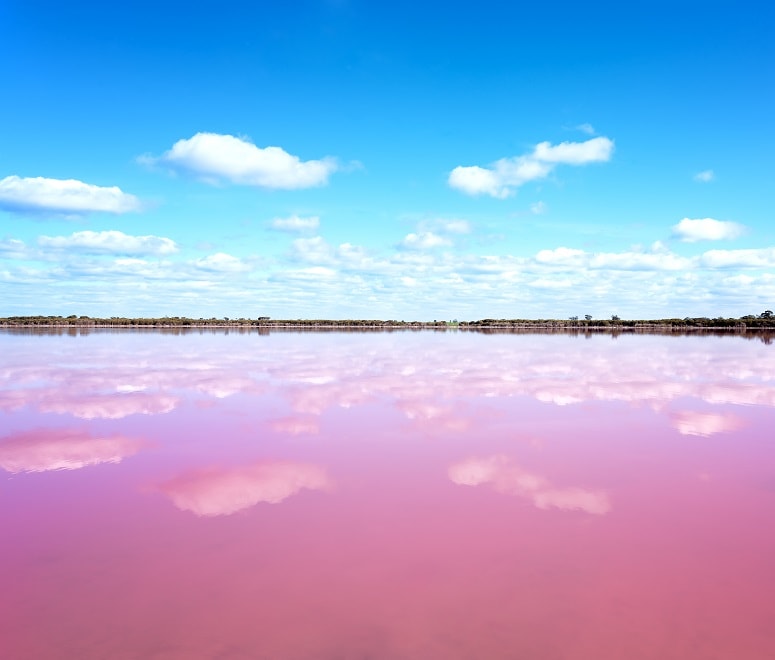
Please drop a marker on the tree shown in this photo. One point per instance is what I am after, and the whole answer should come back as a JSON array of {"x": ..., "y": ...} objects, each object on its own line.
[
  {"x": 614, "y": 317},
  {"x": 573, "y": 318},
  {"x": 587, "y": 317},
  {"x": 767, "y": 314}
]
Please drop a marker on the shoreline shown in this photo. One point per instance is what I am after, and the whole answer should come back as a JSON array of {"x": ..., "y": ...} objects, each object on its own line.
[
  {"x": 737, "y": 325},
  {"x": 484, "y": 328}
]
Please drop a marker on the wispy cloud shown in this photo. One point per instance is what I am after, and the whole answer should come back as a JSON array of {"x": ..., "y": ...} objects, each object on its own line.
[
  {"x": 63, "y": 196},
  {"x": 222, "y": 263},
  {"x": 448, "y": 226},
  {"x": 505, "y": 175},
  {"x": 296, "y": 224},
  {"x": 707, "y": 229},
  {"x": 424, "y": 240},
  {"x": 705, "y": 176},
  {"x": 214, "y": 157},
  {"x": 110, "y": 242}
]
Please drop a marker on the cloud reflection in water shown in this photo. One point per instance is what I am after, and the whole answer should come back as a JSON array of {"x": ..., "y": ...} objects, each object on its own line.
[
  {"x": 690, "y": 422},
  {"x": 222, "y": 491},
  {"x": 504, "y": 476},
  {"x": 62, "y": 449},
  {"x": 411, "y": 371}
]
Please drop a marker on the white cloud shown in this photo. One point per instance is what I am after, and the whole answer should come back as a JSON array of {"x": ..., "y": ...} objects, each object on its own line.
[
  {"x": 314, "y": 249},
  {"x": 68, "y": 196},
  {"x": 544, "y": 283},
  {"x": 539, "y": 208},
  {"x": 352, "y": 281},
  {"x": 13, "y": 248},
  {"x": 444, "y": 226},
  {"x": 216, "y": 157},
  {"x": 424, "y": 240},
  {"x": 586, "y": 128},
  {"x": 475, "y": 180},
  {"x": 506, "y": 174},
  {"x": 110, "y": 242},
  {"x": 754, "y": 258},
  {"x": 453, "y": 226},
  {"x": 639, "y": 261},
  {"x": 561, "y": 256},
  {"x": 707, "y": 229},
  {"x": 221, "y": 263},
  {"x": 705, "y": 176},
  {"x": 658, "y": 259},
  {"x": 295, "y": 223},
  {"x": 596, "y": 150}
]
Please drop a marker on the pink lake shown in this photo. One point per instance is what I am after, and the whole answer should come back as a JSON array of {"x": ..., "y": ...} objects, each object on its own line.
[{"x": 386, "y": 495}]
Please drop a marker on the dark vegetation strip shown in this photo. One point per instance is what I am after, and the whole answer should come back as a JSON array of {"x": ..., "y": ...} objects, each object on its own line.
[{"x": 765, "y": 320}]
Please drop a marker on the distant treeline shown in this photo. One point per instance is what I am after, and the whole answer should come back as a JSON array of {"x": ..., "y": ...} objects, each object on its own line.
[{"x": 766, "y": 320}]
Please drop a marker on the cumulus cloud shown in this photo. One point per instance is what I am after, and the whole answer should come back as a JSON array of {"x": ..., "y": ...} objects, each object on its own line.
[
  {"x": 586, "y": 128},
  {"x": 705, "y": 176},
  {"x": 707, "y": 229},
  {"x": 752, "y": 258},
  {"x": 314, "y": 249},
  {"x": 13, "y": 248},
  {"x": 63, "y": 196},
  {"x": 110, "y": 242},
  {"x": 500, "y": 180},
  {"x": 215, "y": 157},
  {"x": 224, "y": 491},
  {"x": 424, "y": 240},
  {"x": 561, "y": 256},
  {"x": 296, "y": 224},
  {"x": 503, "y": 176},
  {"x": 657, "y": 259}
]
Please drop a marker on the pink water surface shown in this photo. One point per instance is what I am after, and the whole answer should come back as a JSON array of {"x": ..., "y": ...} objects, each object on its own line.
[{"x": 403, "y": 495}]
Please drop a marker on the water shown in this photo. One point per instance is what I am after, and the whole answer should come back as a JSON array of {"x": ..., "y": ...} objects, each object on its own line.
[{"x": 397, "y": 495}]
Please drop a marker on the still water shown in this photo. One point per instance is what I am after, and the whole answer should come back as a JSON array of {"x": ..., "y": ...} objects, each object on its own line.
[{"x": 386, "y": 495}]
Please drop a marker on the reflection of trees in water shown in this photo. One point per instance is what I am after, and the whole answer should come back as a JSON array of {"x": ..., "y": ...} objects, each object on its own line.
[{"x": 765, "y": 335}]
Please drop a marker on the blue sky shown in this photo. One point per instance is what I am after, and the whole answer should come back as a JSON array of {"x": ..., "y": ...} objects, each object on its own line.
[{"x": 403, "y": 160}]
